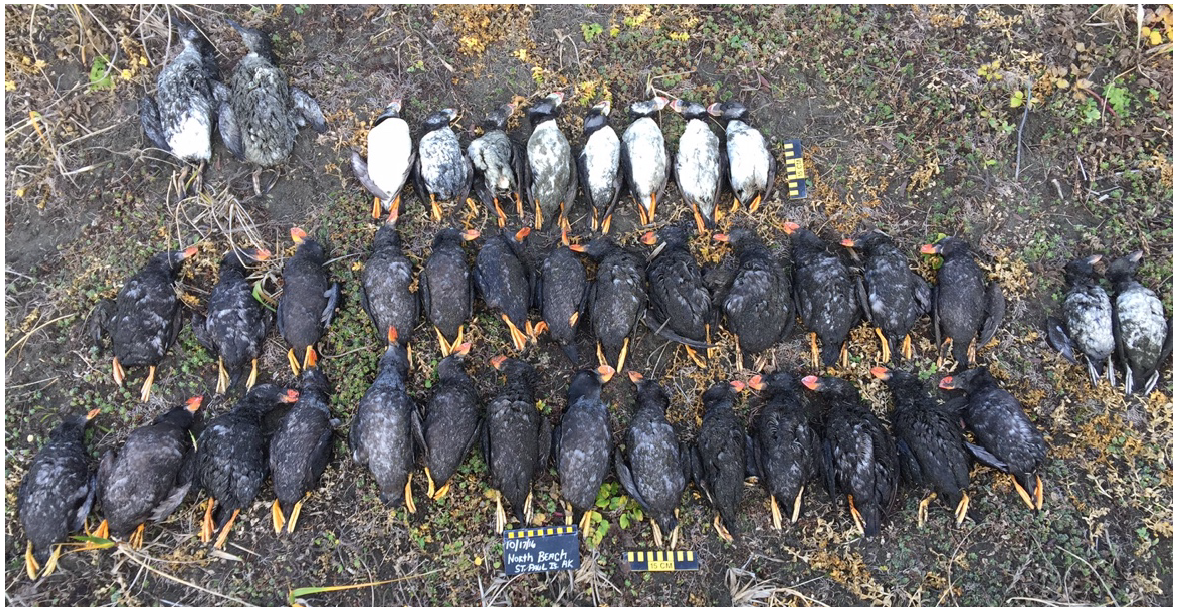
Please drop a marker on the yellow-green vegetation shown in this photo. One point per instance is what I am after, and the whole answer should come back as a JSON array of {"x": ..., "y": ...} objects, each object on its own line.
[{"x": 1039, "y": 133}]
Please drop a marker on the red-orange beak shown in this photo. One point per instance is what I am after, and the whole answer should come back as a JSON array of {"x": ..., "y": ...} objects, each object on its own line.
[
  {"x": 298, "y": 235},
  {"x": 790, "y": 227},
  {"x": 189, "y": 252},
  {"x": 462, "y": 349},
  {"x": 879, "y": 372},
  {"x": 312, "y": 358},
  {"x": 605, "y": 372},
  {"x": 737, "y": 385},
  {"x": 578, "y": 248},
  {"x": 811, "y": 382},
  {"x": 756, "y": 382},
  {"x": 928, "y": 249},
  {"x": 723, "y": 238},
  {"x": 392, "y": 335},
  {"x": 498, "y": 361},
  {"x": 193, "y": 404},
  {"x": 92, "y": 414},
  {"x": 291, "y": 396},
  {"x": 522, "y": 234},
  {"x": 262, "y": 254},
  {"x": 649, "y": 238},
  {"x": 947, "y": 383},
  {"x": 635, "y": 376},
  {"x": 469, "y": 235},
  {"x": 847, "y": 242}
]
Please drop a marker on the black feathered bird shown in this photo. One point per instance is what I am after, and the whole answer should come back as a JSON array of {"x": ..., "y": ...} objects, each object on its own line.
[
  {"x": 562, "y": 293},
  {"x": 145, "y": 318},
  {"x": 719, "y": 466},
  {"x": 617, "y": 297},
  {"x": 929, "y": 443},
  {"x": 597, "y": 166},
  {"x": 1009, "y": 441},
  {"x": 581, "y": 444},
  {"x": 451, "y": 423},
  {"x": 150, "y": 476},
  {"x": 896, "y": 296},
  {"x": 655, "y": 467},
  {"x": 308, "y": 300},
  {"x": 236, "y": 325},
  {"x": 386, "y": 287},
  {"x": 859, "y": 458},
  {"x": 447, "y": 287},
  {"x": 386, "y": 431},
  {"x": 260, "y": 121},
  {"x": 758, "y": 305},
  {"x": 963, "y": 306},
  {"x": 785, "y": 446},
  {"x": 1142, "y": 330},
  {"x": 301, "y": 447},
  {"x": 231, "y": 458},
  {"x": 56, "y": 494},
  {"x": 499, "y": 164},
  {"x": 679, "y": 301},
  {"x": 442, "y": 171},
  {"x": 516, "y": 440},
  {"x": 827, "y": 298},
  {"x": 504, "y": 280}
]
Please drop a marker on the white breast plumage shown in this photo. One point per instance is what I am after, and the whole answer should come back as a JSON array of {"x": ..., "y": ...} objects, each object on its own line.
[
  {"x": 648, "y": 158},
  {"x": 697, "y": 163},
  {"x": 601, "y": 161},
  {"x": 748, "y": 159},
  {"x": 389, "y": 148}
]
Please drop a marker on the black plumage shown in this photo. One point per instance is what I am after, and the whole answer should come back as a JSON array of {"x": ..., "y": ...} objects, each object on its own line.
[
  {"x": 617, "y": 298},
  {"x": 644, "y": 160},
  {"x": 963, "y": 306},
  {"x": 930, "y": 445},
  {"x": 655, "y": 467},
  {"x": 149, "y": 476},
  {"x": 504, "y": 280},
  {"x": 179, "y": 118},
  {"x": 386, "y": 430},
  {"x": 719, "y": 467},
  {"x": 597, "y": 166},
  {"x": 551, "y": 180},
  {"x": 581, "y": 444},
  {"x": 451, "y": 422},
  {"x": 264, "y": 113},
  {"x": 785, "y": 447},
  {"x": 758, "y": 305},
  {"x": 1088, "y": 315},
  {"x": 516, "y": 440},
  {"x": 236, "y": 325},
  {"x": 56, "y": 493},
  {"x": 231, "y": 458},
  {"x": 859, "y": 457},
  {"x": 442, "y": 171},
  {"x": 1009, "y": 441},
  {"x": 1139, "y": 321},
  {"x": 447, "y": 287},
  {"x": 146, "y": 316},
  {"x": 498, "y": 164},
  {"x": 301, "y": 447},
  {"x": 700, "y": 165},
  {"x": 562, "y": 293},
  {"x": 751, "y": 166},
  {"x": 896, "y": 296},
  {"x": 308, "y": 300},
  {"x": 679, "y": 302},
  {"x": 824, "y": 293},
  {"x": 386, "y": 290}
]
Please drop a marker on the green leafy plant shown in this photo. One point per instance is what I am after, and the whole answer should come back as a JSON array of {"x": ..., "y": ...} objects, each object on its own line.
[
  {"x": 1118, "y": 98},
  {"x": 101, "y": 78},
  {"x": 590, "y": 30}
]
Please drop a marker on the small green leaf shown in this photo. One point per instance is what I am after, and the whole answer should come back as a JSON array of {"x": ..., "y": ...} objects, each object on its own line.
[{"x": 101, "y": 74}]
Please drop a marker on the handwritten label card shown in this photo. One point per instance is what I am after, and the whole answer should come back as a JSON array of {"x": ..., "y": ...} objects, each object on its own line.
[{"x": 541, "y": 550}]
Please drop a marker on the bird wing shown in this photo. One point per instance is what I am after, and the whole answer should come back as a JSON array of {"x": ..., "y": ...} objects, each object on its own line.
[
  {"x": 332, "y": 296},
  {"x": 360, "y": 170},
  {"x": 229, "y": 129},
  {"x": 149, "y": 118},
  {"x": 995, "y": 310},
  {"x": 1057, "y": 337},
  {"x": 308, "y": 108}
]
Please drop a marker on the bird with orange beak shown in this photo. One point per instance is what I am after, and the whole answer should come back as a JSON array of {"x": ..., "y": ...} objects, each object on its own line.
[
  {"x": 505, "y": 279},
  {"x": 827, "y": 297},
  {"x": 237, "y": 324},
  {"x": 758, "y": 304},
  {"x": 719, "y": 466},
  {"x": 785, "y": 448},
  {"x": 516, "y": 440},
  {"x": 145, "y": 319},
  {"x": 966, "y": 312},
  {"x": 499, "y": 164},
  {"x": 447, "y": 287},
  {"x": 644, "y": 160},
  {"x": 1009, "y": 441},
  {"x": 582, "y": 444},
  {"x": 308, "y": 300}
]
